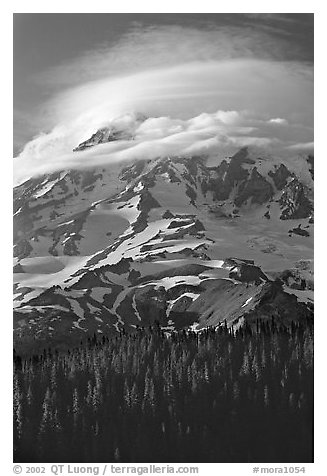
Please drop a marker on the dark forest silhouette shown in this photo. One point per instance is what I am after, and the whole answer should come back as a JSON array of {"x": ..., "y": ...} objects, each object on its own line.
[{"x": 214, "y": 396}]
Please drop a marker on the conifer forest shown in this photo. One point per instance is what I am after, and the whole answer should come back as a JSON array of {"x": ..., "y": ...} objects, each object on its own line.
[{"x": 221, "y": 395}]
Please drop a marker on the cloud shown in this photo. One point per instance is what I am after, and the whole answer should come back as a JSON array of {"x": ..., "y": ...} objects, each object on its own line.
[
  {"x": 278, "y": 120},
  {"x": 279, "y": 89},
  {"x": 204, "y": 91},
  {"x": 214, "y": 135},
  {"x": 302, "y": 146},
  {"x": 169, "y": 45}
]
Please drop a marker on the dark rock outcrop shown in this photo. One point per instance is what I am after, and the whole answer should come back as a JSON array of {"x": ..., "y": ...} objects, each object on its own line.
[
  {"x": 256, "y": 188},
  {"x": 299, "y": 231},
  {"x": 294, "y": 201},
  {"x": 280, "y": 176}
]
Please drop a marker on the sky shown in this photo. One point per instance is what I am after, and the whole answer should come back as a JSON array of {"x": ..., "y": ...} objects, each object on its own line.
[{"x": 207, "y": 82}]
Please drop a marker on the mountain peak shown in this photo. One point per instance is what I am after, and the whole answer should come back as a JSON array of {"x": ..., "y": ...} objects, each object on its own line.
[{"x": 120, "y": 128}]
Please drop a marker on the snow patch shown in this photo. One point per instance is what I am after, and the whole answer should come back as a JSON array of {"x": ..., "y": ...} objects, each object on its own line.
[
  {"x": 247, "y": 301},
  {"x": 135, "y": 308},
  {"x": 45, "y": 189}
]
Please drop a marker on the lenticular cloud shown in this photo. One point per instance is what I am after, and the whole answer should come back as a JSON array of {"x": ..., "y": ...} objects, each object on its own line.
[{"x": 199, "y": 99}]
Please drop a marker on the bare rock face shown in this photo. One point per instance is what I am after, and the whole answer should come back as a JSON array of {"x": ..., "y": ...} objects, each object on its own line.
[
  {"x": 280, "y": 176},
  {"x": 130, "y": 245},
  {"x": 248, "y": 273},
  {"x": 299, "y": 231},
  {"x": 241, "y": 179},
  {"x": 256, "y": 188},
  {"x": 294, "y": 201},
  {"x": 227, "y": 175}
]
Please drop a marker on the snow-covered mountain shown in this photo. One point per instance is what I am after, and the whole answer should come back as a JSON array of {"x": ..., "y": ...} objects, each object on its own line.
[{"x": 171, "y": 240}]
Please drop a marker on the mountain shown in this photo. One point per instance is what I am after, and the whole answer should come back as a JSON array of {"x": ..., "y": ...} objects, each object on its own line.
[{"x": 172, "y": 240}]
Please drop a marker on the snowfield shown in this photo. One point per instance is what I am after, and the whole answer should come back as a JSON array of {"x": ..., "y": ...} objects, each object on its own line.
[{"x": 172, "y": 240}]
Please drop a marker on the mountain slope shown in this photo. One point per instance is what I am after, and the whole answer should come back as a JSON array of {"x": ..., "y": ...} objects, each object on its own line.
[{"x": 170, "y": 240}]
